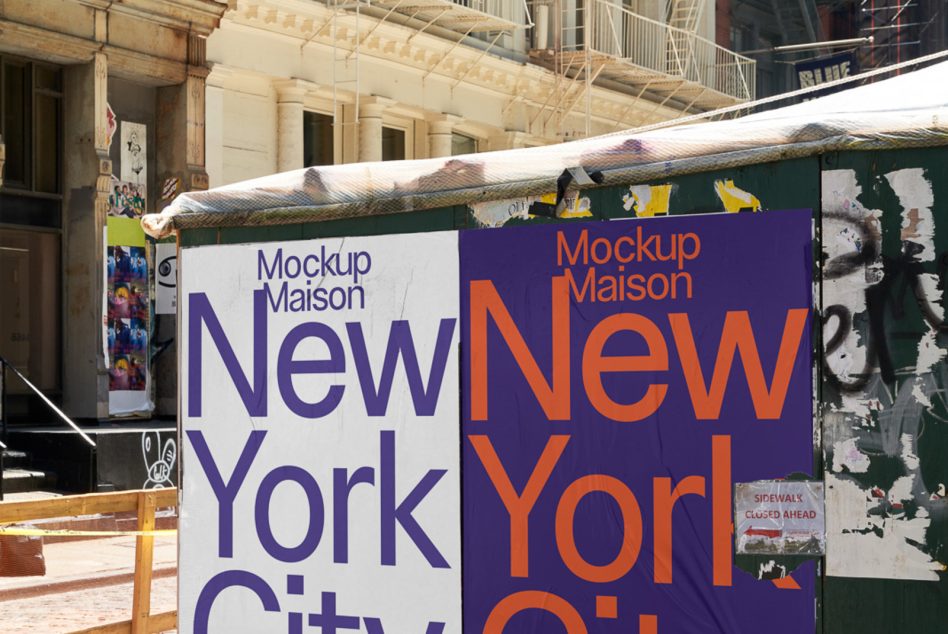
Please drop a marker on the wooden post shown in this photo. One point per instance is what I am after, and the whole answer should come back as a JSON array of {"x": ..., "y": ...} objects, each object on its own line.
[{"x": 144, "y": 551}]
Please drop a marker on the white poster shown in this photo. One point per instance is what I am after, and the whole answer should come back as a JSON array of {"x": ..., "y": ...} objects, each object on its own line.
[
  {"x": 134, "y": 137},
  {"x": 320, "y": 436},
  {"x": 166, "y": 278}
]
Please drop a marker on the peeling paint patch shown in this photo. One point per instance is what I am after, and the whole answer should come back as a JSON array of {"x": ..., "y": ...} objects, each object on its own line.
[
  {"x": 771, "y": 570},
  {"x": 496, "y": 213},
  {"x": 852, "y": 242},
  {"x": 574, "y": 205},
  {"x": 928, "y": 352},
  {"x": 918, "y": 391},
  {"x": 917, "y": 198},
  {"x": 648, "y": 201},
  {"x": 861, "y": 542},
  {"x": 734, "y": 198},
  {"x": 929, "y": 282},
  {"x": 846, "y": 456},
  {"x": 915, "y": 194}
]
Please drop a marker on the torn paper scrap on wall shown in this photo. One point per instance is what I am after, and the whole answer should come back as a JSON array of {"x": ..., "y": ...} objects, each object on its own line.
[
  {"x": 852, "y": 244},
  {"x": 916, "y": 197},
  {"x": 648, "y": 201},
  {"x": 861, "y": 543},
  {"x": 734, "y": 198},
  {"x": 881, "y": 517},
  {"x": 496, "y": 213}
]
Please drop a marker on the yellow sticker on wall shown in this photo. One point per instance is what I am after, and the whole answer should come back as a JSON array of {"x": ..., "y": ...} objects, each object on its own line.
[
  {"x": 647, "y": 201},
  {"x": 734, "y": 198}
]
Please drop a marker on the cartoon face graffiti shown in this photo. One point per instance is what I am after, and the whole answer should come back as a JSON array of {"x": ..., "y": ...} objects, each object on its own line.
[{"x": 159, "y": 460}]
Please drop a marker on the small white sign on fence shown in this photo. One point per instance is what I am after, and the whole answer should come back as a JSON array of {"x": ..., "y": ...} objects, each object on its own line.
[{"x": 779, "y": 517}]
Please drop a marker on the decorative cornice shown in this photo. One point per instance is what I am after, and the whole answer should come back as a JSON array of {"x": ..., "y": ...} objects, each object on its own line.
[
  {"x": 293, "y": 90},
  {"x": 34, "y": 41},
  {"x": 309, "y": 23},
  {"x": 199, "y": 16},
  {"x": 144, "y": 68},
  {"x": 194, "y": 17}
]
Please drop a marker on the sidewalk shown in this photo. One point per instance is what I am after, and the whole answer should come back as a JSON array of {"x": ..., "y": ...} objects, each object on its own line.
[{"x": 87, "y": 583}]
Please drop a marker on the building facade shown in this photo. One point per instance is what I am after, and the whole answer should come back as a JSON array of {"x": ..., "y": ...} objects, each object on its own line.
[
  {"x": 900, "y": 30},
  {"x": 110, "y": 109},
  {"x": 295, "y": 83},
  {"x": 91, "y": 91}
]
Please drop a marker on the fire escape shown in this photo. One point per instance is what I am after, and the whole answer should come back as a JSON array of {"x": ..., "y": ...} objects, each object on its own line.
[
  {"x": 797, "y": 20},
  {"x": 488, "y": 20},
  {"x": 658, "y": 62},
  {"x": 899, "y": 29},
  {"x": 665, "y": 60}
]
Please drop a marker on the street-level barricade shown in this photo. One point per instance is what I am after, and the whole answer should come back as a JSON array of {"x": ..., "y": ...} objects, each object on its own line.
[{"x": 98, "y": 516}]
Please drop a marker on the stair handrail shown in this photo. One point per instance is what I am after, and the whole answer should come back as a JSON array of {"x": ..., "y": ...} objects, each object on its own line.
[{"x": 4, "y": 364}]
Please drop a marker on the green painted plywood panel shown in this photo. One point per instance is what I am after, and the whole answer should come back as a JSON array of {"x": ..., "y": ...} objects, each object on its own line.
[
  {"x": 790, "y": 184},
  {"x": 442, "y": 219},
  {"x": 197, "y": 237},
  {"x": 271, "y": 233},
  {"x": 885, "y": 423}
]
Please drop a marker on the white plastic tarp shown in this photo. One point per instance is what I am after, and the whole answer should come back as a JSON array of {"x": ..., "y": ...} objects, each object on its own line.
[{"x": 910, "y": 110}]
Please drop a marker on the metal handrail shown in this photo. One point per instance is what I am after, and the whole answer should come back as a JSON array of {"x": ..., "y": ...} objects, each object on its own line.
[{"x": 4, "y": 364}]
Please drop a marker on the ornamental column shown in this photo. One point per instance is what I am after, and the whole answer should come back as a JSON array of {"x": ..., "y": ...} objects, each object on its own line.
[
  {"x": 87, "y": 174},
  {"x": 290, "y": 96},
  {"x": 370, "y": 128},
  {"x": 440, "y": 129}
]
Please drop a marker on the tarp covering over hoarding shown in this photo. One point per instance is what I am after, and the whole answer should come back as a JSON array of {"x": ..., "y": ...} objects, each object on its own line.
[{"x": 905, "y": 111}]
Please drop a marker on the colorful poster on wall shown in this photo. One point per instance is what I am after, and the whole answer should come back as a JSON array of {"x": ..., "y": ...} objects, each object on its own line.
[
  {"x": 618, "y": 378},
  {"x": 127, "y": 317},
  {"x": 320, "y": 436},
  {"x": 127, "y": 199}
]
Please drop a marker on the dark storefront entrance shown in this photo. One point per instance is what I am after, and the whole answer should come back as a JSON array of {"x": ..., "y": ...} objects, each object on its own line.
[{"x": 31, "y": 232}]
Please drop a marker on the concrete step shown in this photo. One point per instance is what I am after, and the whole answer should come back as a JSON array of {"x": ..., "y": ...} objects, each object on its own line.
[
  {"x": 22, "y": 480},
  {"x": 13, "y": 459}
]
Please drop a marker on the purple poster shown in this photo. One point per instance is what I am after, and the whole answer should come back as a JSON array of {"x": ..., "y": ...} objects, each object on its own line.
[{"x": 618, "y": 379}]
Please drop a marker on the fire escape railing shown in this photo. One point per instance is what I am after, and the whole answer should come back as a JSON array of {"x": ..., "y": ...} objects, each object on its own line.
[{"x": 626, "y": 37}]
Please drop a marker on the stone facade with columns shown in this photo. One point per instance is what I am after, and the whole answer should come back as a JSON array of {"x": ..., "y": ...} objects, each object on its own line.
[
  {"x": 82, "y": 67},
  {"x": 378, "y": 74}
]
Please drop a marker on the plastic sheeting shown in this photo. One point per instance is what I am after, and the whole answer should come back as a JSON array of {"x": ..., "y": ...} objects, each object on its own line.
[{"x": 910, "y": 110}]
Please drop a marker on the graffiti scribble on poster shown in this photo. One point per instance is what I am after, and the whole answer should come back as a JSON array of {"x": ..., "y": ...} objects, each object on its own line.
[{"x": 127, "y": 317}]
